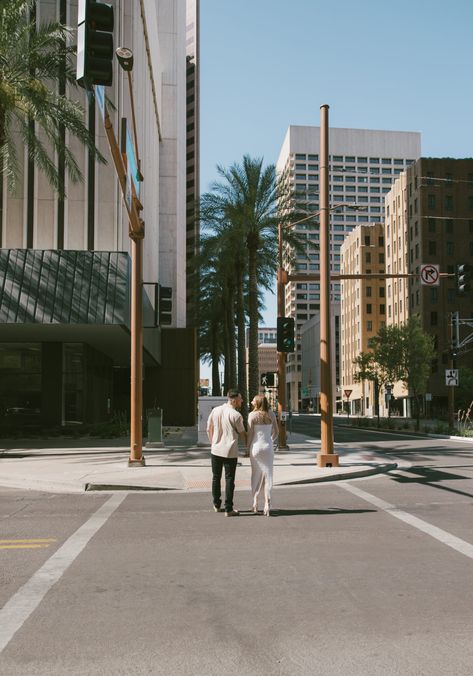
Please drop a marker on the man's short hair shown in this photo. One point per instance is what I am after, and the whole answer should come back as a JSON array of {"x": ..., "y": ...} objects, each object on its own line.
[{"x": 233, "y": 394}]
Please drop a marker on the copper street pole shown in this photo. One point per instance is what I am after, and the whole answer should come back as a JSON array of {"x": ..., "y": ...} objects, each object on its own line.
[
  {"x": 326, "y": 457},
  {"x": 281, "y": 282},
  {"x": 136, "y": 354}
]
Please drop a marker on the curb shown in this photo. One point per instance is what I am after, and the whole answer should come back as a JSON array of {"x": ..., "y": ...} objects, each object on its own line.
[{"x": 367, "y": 471}]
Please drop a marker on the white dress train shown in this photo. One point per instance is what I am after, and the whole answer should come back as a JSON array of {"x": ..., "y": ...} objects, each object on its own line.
[{"x": 262, "y": 457}]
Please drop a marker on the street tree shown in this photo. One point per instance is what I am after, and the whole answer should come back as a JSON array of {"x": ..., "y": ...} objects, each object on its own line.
[
  {"x": 364, "y": 370},
  {"x": 417, "y": 351},
  {"x": 387, "y": 356},
  {"x": 35, "y": 58}
]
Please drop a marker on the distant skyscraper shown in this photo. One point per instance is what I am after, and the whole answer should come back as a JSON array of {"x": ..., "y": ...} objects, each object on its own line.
[{"x": 363, "y": 165}]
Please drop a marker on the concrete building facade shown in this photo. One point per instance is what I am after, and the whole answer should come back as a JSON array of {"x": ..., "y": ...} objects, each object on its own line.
[
  {"x": 51, "y": 247},
  {"x": 429, "y": 220},
  {"x": 363, "y": 165}
]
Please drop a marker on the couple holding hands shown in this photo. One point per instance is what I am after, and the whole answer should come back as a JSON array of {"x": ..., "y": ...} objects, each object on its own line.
[{"x": 224, "y": 428}]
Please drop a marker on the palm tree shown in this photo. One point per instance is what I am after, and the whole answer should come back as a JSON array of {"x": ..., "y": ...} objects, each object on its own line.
[
  {"x": 252, "y": 199},
  {"x": 33, "y": 58}
]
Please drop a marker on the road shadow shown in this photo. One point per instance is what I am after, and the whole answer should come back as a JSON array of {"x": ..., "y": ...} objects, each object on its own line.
[
  {"x": 316, "y": 512},
  {"x": 428, "y": 476}
]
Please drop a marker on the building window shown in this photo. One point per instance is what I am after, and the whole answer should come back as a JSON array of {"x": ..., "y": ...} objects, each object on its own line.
[
  {"x": 368, "y": 291},
  {"x": 432, "y": 247},
  {"x": 369, "y": 309},
  {"x": 433, "y": 318},
  {"x": 382, "y": 309},
  {"x": 449, "y": 202},
  {"x": 450, "y": 248},
  {"x": 369, "y": 325},
  {"x": 431, "y": 225},
  {"x": 431, "y": 201}
]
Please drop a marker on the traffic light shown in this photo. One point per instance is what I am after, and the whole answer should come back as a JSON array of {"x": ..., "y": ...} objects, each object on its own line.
[
  {"x": 464, "y": 275},
  {"x": 285, "y": 334},
  {"x": 165, "y": 305},
  {"x": 94, "y": 44}
]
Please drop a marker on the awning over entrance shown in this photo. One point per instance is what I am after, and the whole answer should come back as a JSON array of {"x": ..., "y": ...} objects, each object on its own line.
[{"x": 72, "y": 296}]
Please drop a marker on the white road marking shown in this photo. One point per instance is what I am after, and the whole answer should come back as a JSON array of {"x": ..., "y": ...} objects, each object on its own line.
[
  {"x": 17, "y": 610},
  {"x": 441, "y": 535}
]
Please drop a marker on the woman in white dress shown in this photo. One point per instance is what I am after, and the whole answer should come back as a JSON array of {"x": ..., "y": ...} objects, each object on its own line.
[{"x": 262, "y": 435}]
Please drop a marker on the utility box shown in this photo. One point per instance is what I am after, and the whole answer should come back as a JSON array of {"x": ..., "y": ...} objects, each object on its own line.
[
  {"x": 155, "y": 427},
  {"x": 206, "y": 404}
]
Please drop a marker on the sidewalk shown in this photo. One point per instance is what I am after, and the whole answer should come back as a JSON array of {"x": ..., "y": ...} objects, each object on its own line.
[{"x": 78, "y": 465}]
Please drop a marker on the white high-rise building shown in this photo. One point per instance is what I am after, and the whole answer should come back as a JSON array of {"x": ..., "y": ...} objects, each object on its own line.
[
  {"x": 363, "y": 165},
  {"x": 65, "y": 261}
]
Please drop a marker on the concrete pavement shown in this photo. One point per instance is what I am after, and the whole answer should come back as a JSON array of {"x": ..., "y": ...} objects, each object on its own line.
[{"x": 78, "y": 465}]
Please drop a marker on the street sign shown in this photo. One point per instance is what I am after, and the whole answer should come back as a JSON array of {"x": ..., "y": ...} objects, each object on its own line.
[
  {"x": 100, "y": 98},
  {"x": 347, "y": 393},
  {"x": 128, "y": 149},
  {"x": 430, "y": 274},
  {"x": 451, "y": 377}
]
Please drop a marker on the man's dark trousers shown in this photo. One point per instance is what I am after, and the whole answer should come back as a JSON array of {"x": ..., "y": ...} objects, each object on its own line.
[{"x": 230, "y": 465}]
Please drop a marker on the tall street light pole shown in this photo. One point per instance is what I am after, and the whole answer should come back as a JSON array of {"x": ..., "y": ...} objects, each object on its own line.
[
  {"x": 326, "y": 457},
  {"x": 281, "y": 285},
  {"x": 136, "y": 458}
]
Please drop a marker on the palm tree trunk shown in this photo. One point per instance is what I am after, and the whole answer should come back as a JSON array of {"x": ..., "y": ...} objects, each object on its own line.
[
  {"x": 230, "y": 323},
  {"x": 216, "y": 391},
  {"x": 253, "y": 367},
  {"x": 240, "y": 316}
]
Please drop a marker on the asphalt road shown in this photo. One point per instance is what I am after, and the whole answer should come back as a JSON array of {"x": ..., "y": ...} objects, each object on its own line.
[{"x": 364, "y": 577}]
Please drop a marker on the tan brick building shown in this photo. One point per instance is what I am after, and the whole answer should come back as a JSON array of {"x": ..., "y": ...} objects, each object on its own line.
[{"x": 363, "y": 306}]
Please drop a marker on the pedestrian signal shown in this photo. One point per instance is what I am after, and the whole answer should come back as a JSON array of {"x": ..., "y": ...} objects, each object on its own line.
[
  {"x": 267, "y": 379},
  {"x": 285, "y": 334}
]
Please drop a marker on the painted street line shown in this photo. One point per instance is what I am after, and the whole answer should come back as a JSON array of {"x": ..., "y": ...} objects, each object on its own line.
[
  {"x": 31, "y": 543},
  {"x": 443, "y": 536},
  {"x": 17, "y": 610}
]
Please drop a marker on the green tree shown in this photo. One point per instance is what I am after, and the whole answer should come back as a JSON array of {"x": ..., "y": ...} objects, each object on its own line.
[
  {"x": 364, "y": 371},
  {"x": 464, "y": 391},
  {"x": 417, "y": 351},
  {"x": 34, "y": 58},
  {"x": 387, "y": 356}
]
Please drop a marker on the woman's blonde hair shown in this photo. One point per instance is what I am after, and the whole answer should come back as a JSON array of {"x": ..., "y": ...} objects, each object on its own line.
[{"x": 261, "y": 403}]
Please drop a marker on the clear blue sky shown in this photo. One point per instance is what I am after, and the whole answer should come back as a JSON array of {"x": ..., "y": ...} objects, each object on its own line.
[{"x": 266, "y": 64}]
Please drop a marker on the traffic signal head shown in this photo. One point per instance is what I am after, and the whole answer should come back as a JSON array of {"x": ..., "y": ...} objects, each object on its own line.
[
  {"x": 165, "y": 305},
  {"x": 267, "y": 379},
  {"x": 285, "y": 334},
  {"x": 94, "y": 44},
  {"x": 464, "y": 277}
]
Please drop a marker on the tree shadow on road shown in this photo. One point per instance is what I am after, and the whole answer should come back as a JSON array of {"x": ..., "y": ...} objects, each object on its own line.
[{"x": 428, "y": 476}]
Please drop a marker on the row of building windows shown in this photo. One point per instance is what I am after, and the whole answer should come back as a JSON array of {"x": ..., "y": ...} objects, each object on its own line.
[{"x": 359, "y": 160}]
